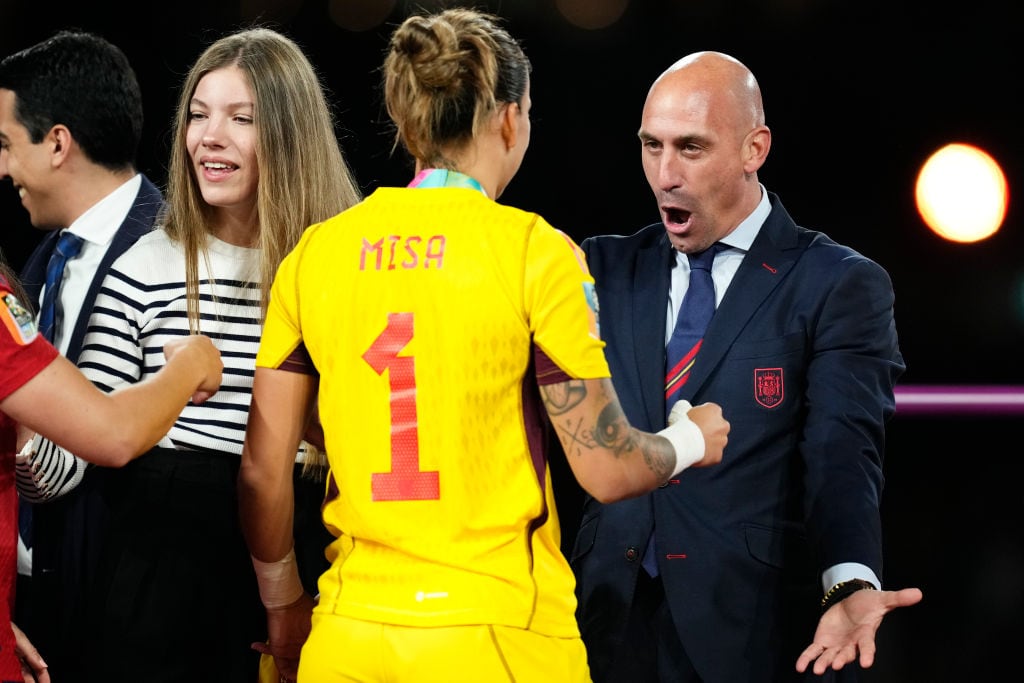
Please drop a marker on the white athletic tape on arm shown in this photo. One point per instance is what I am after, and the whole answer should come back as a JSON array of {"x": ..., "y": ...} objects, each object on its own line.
[
  {"x": 279, "y": 581},
  {"x": 685, "y": 437}
]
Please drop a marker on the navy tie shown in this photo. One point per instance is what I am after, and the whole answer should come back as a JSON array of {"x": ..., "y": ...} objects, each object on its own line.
[
  {"x": 695, "y": 313},
  {"x": 50, "y": 312},
  {"x": 67, "y": 247}
]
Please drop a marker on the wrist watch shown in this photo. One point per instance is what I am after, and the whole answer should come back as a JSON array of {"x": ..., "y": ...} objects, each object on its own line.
[{"x": 843, "y": 590}]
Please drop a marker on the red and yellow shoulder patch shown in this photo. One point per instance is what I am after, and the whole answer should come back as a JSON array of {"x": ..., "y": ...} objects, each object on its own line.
[{"x": 17, "y": 319}]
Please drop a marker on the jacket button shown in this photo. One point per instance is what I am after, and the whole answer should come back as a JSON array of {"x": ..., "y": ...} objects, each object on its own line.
[{"x": 632, "y": 554}]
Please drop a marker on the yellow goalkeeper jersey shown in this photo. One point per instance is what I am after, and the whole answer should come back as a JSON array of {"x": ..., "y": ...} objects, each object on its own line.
[{"x": 423, "y": 312}]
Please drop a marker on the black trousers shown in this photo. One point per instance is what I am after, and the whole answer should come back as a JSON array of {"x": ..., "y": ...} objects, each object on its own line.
[
  {"x": 179, "y": 600},
  {"x": 53, "y": 605},
  {"x": 651, "y": 651}
]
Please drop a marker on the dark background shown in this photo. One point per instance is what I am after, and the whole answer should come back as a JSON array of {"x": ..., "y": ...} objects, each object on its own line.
[{"x": 857, "y": 94}]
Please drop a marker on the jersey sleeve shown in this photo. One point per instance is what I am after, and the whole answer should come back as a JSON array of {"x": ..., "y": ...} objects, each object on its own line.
[
  {"x": 282, "y": 332},
  {"x": 562, "y": 304},
  {"x": 23, "y": 351}
]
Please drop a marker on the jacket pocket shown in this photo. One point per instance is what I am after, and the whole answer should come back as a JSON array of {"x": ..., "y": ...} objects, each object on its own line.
[{"x": 780, "y": 548}]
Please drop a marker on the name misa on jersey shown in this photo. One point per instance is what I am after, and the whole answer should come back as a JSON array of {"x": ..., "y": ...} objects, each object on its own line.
[{"x": 405, "y": 252}]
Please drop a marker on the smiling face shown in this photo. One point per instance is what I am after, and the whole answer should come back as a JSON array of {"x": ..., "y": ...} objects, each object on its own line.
[
  {"x": 221, "y": 141},
  {"x": 27, "y": 164}
]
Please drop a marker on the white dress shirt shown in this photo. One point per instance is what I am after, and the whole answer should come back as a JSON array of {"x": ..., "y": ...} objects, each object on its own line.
[{"x": 97, "y": 227}]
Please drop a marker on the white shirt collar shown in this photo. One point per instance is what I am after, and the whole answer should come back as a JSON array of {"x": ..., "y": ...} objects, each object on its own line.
[
  {"x": 99, "y": 223},
  {"x": 743, "y": 236}
]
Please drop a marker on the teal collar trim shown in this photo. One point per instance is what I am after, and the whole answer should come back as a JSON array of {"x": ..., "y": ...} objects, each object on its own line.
[{"x": 442, "y": 177}]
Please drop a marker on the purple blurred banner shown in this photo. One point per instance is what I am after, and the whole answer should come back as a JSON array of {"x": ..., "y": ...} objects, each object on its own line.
[{"x": 993, "y": 400}]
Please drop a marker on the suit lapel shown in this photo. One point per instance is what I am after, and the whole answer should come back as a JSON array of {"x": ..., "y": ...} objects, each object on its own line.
[
  {"x": 33, "y": 273},
  {"x": 649, "y": 315},
  {"x": 772, "y": 255},
  {"x": 139, "y": 221}
]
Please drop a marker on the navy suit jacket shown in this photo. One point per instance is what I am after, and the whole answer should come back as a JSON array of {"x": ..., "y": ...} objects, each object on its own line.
[
  {"x": 139, "y": 221},
  {"x": 802, "y": 355},
  {"x": 66, "y": 531}
]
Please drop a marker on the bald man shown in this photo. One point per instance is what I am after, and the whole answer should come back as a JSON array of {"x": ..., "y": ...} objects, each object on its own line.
[{"x": 767, "y": 567}]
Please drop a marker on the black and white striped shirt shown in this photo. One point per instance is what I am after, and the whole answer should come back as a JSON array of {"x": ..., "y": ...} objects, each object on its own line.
[{"x": 140, "y": 307}]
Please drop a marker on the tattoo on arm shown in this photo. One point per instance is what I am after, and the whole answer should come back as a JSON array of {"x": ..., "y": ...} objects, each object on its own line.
[
  {"x": 613, "y": 432},
  {"x": 562, "y": 397},
  {"x": 610, "y": 432}
]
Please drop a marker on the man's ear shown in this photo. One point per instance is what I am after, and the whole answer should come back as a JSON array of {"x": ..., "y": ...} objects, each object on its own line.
[
  {"x": 60, "y": 140},
  {"x": 755, "y": 148}
]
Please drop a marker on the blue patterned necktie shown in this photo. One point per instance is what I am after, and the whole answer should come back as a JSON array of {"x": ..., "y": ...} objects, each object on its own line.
[
  {"x": 68, "y": 246},
  {"x": 695, "y": 312},
  {"x": 50, "y": 312},
  {"x": 694, "y": 315}
]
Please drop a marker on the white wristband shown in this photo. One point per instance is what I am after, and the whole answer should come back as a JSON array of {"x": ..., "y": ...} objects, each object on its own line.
[
  {"x": 685, "y": 437},
  {"x": 279, "y": 581}
]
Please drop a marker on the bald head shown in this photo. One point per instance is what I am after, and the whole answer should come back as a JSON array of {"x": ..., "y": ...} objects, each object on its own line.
[
  {"x": 725, "y": 80},
  {"x": 703, "y": 140}
]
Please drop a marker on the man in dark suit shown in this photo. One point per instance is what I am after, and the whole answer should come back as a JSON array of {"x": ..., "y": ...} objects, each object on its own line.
[
  {"x": 71, "y": 119},
  {"x": 802, "y": 354}
]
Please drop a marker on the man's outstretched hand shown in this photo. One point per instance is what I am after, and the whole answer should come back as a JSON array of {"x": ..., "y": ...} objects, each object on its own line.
[{"x": 849, "y": 627}]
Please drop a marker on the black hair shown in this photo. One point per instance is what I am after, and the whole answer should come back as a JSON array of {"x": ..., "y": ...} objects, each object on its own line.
[{"x": 84, "y": 82}]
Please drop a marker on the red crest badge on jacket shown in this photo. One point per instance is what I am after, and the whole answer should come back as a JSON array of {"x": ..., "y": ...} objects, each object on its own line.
[{"x": 768, "y": 387}]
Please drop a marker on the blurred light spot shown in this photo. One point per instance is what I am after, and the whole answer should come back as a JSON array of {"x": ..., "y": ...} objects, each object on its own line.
[
  {"x": 961, "y": 193},
  {"x": 360, "y": 15},
  {"x": 592, "y": 14}
]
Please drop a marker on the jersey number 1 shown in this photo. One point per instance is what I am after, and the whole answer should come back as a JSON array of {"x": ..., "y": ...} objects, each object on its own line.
[{"x": 405, "y": 481}]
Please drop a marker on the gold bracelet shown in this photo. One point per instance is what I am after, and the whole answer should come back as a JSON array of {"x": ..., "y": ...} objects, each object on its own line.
[{"x": 843, "y": 590}]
